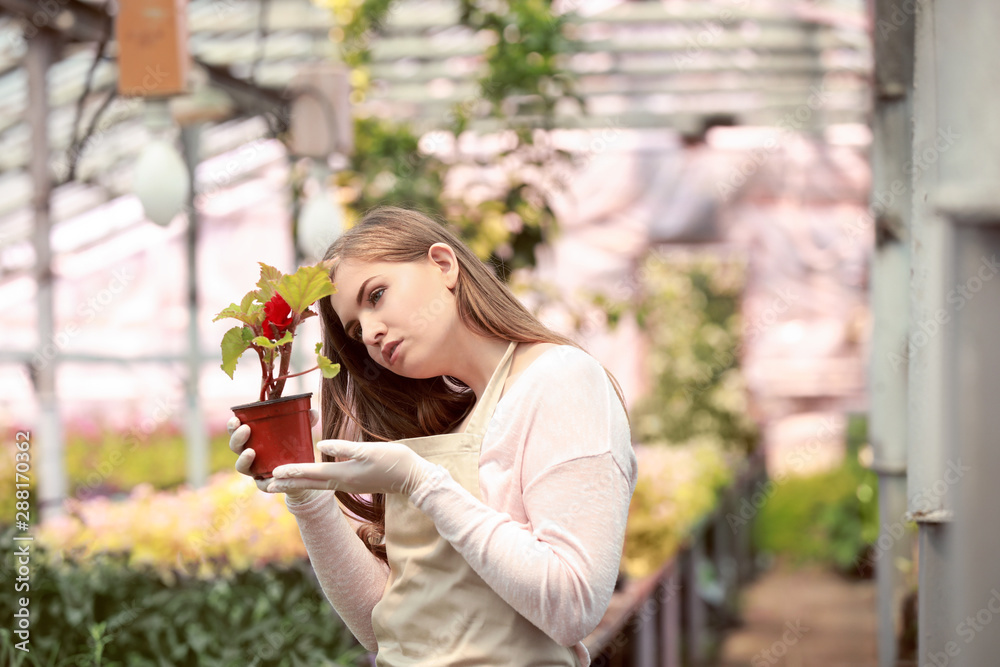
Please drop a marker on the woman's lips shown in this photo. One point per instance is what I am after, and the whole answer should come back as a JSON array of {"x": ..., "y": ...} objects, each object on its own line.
[{"x": 394, "y": 354}]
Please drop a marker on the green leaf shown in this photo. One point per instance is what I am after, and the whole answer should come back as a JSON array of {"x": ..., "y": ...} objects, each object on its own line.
[
  {"x": 232, "y": 310},
  {"x": 302, "y": 288},
  {"x": 234, "y": 343},
  {"x": 326, "y": 367},
  {"x": 247, "y": 303},
  {"x": 197, "y": 637},
  {"x": 247, "y": 312},
  {"x": 269, "y": 344},
  {"x": 269, "y": 277}
]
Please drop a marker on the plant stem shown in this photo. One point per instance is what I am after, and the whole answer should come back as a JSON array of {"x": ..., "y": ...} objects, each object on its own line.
[
  {"x": 285, "y": 377},
  {"x": 263, "y": 372},
  {"x": 270, "y": 373},
  {"x": 286, "y": 358}
]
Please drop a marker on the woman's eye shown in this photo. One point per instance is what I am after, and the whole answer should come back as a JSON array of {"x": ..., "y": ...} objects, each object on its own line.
[{"x": 356, "y": 334}]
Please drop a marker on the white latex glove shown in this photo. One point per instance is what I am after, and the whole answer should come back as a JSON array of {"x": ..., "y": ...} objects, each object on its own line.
[
  {"x": 238, "y": 436},
  {"x": 373, "y": 467}
]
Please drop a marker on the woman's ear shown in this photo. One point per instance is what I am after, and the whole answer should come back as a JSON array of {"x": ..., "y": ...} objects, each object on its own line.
[{"x": 444, "y": 258}]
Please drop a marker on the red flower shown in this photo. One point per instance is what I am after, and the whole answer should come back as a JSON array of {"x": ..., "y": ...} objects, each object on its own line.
[{"x": 278, "y": 313}]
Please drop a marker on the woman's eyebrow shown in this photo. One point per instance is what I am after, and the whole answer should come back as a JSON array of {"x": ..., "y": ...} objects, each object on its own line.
[{"x": 361, "y": 291}]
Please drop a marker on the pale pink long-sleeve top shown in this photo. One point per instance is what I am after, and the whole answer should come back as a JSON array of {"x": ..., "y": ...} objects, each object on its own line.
[{"x": 556, "y": 474}]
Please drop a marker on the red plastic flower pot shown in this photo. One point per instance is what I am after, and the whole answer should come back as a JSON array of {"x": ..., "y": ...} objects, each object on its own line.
[{"x": 279, "y": 432}]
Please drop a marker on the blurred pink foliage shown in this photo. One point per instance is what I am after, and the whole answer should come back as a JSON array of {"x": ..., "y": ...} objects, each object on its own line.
[{"x": 228, "y": 526}]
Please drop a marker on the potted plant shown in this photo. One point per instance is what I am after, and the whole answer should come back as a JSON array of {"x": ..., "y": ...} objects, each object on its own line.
[{"x": 280, "y": 431}]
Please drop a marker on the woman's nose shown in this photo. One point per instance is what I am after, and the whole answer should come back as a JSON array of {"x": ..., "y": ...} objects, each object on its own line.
[{"x": 371, "y": 331}]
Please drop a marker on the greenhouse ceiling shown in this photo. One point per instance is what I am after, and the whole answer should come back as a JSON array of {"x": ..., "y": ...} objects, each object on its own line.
[{"x": 646, "y": 65}]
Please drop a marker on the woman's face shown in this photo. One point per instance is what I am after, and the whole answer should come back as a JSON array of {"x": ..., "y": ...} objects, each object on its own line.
[{"x": 408, "y": 302}]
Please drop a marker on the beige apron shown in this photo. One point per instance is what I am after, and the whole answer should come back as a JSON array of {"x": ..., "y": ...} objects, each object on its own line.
[{"x": 435, "y": 609}]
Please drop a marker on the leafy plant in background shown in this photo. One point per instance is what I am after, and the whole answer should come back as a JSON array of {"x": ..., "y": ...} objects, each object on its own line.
[
  {"x": 106, "y": 461},
  {"x": 689, "y": 305},
  {"x": 525, "y": 70},
  {"x": 523, "y": 80},
  {"x": 677, "y": 487},
  {"x": 106, "y": 612},
  {"x": 222, "y": 528},
  {"x": 694, "y": 423},
  {"x": 829, "y": 517},
  {"x": 210, "y": 576}
]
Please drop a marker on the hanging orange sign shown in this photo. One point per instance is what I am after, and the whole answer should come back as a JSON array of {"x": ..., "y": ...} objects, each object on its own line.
[{"x": 153, "y": 59}]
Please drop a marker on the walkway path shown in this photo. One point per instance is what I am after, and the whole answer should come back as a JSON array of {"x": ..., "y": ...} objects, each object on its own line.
[{"x": 804, "y": 618}]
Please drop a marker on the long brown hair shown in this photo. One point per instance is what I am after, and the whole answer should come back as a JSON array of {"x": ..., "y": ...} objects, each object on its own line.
[{"x": 366, "y": 402}]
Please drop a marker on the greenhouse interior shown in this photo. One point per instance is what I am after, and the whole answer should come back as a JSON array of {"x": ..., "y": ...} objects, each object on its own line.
[{"x": 769, "y": 221}]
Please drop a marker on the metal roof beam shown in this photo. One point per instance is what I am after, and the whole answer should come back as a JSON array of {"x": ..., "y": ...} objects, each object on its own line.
[
  {"x": 250, "y": 98},
  {"x": 79, "y": 22},
  {"x": 74, "y": 20}
]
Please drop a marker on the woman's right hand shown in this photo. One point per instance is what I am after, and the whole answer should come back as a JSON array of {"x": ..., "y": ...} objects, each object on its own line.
[{"x": 238, "y": 436}]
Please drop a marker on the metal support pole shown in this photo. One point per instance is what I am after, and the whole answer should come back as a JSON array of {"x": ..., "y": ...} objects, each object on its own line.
[
  {"x": 299, "y": 358},
  {"x": 197, "y": 437},
  {"x": 644, "y": 651},
  {"x": 745, "y": 555},
  {"x": 670, "y": 619},
  {"x": 49, "y": 439},
  {"x": 968, "y": 99},
  {"x": 934, "y": 628},
  {"x": 696, "y": 622},
  {"x": 975, "y": 545},
  {"x": 936, "y": 136},
  {"x": 724, "y": 558},
  {"x": 891, "y": 208}
]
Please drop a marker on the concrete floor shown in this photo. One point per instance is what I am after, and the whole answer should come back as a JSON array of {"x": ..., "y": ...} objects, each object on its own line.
[{"x": 804, "y": 618}]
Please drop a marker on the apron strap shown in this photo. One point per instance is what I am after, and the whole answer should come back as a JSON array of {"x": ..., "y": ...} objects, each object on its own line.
[{"x": 485, "y": 406}]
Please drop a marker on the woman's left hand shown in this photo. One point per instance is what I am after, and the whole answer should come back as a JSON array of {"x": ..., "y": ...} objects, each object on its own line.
[{"x": 374, "y": 467}]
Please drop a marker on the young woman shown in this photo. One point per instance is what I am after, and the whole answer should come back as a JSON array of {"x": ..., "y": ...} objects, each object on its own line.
[{"x": 487, "y": 460}]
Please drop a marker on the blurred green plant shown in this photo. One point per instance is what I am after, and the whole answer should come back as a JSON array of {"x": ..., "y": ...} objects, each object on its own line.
[
  {"x": 106, "y": 461},
  {"x": 105, "y": 612},
  {"x": 688, "y": 303},
  {"x": 522, "y": 80},
  {"x": 525, "y": 64},
  {"x": 694, "y": 423},
  {"x": 207, "y": 532},
  {"x": 677, "y": 487},
  {"x": 829, "y": 518}
]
